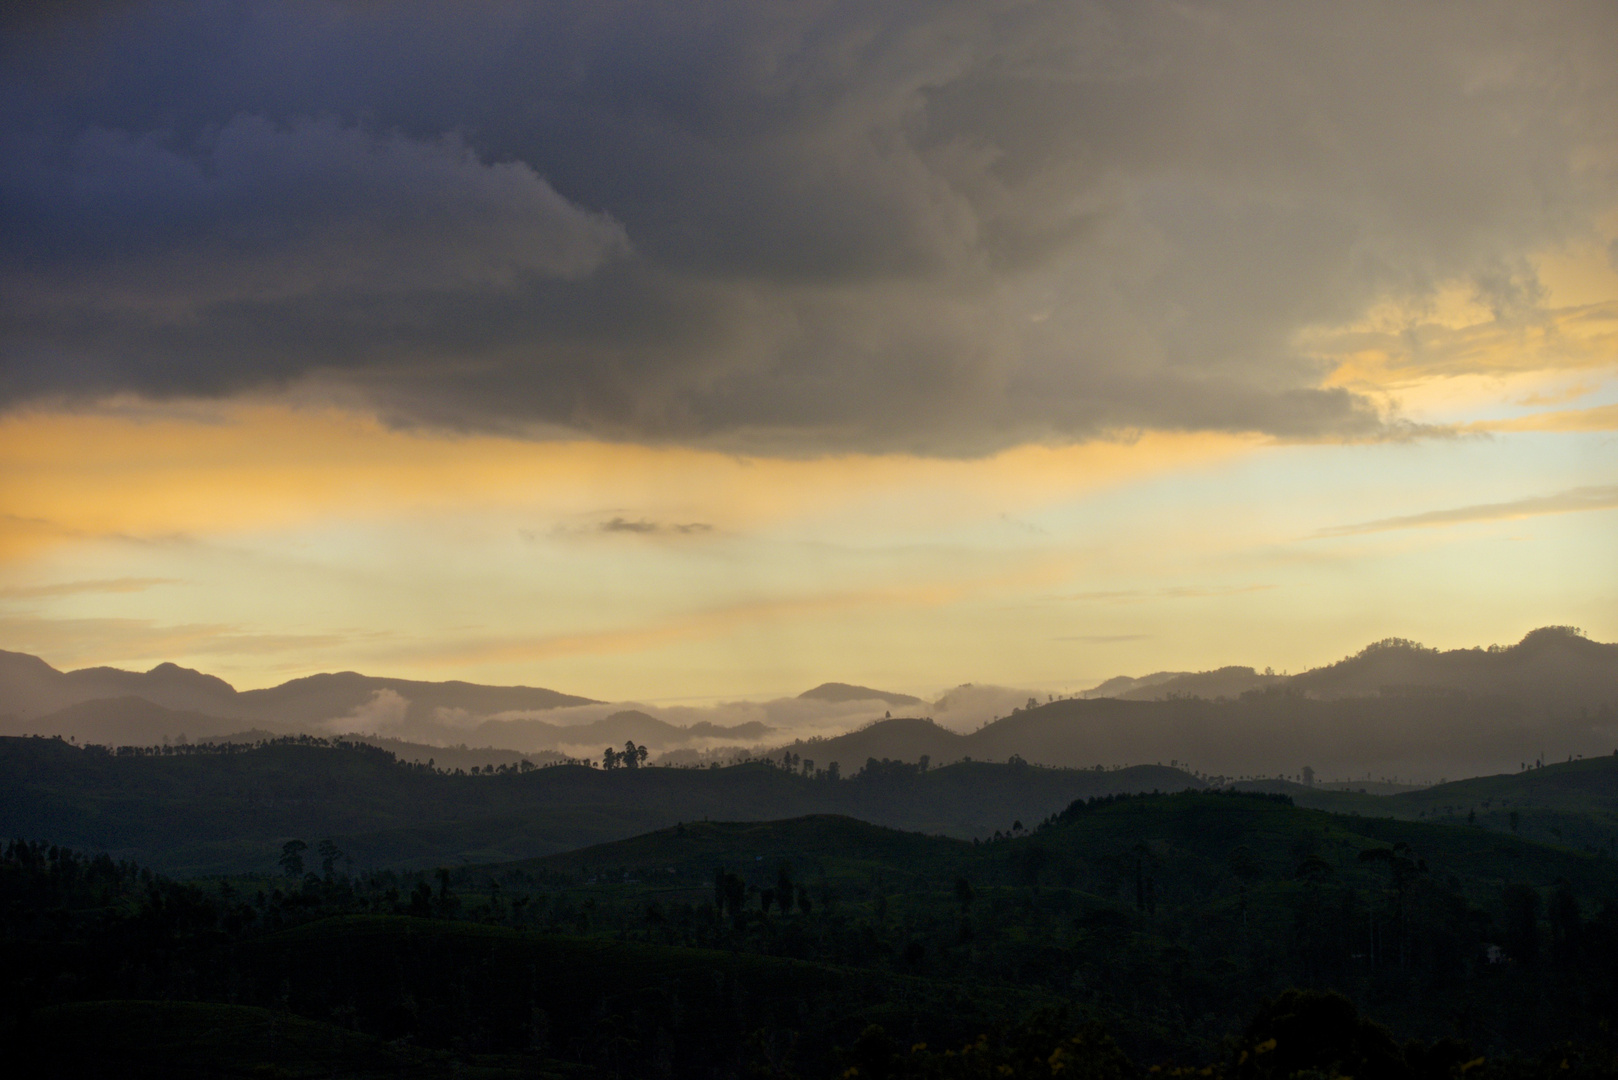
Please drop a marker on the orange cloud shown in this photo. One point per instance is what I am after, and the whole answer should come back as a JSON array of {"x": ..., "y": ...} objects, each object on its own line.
[
  {"x": 1574, "y": 500},
  {"x": 1601, "y": 418},
  {"x": 150, "y": 474}
]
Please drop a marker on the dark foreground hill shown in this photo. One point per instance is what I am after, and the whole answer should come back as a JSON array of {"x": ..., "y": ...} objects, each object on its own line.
[
  {"x": 1172, "y": 924},
  {"x": 1170, "y": 916},
  {"x": 194, "y": 810}
]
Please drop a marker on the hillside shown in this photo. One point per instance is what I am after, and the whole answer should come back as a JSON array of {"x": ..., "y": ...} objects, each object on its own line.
[
  {"x": 728, "y": 948},
  {"x": 1416, "y": 737},
  {"x": 1554, "y": 666},
  {"x": 134, "y": 721},
  {"x": 1222, "y": 682},
  {"x": 199, "y": 812},
  {"x": 1115, "y": 897}
]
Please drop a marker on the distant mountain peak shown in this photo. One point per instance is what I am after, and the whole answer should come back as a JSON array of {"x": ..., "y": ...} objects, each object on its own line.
[{"x": 836, "y": 691}]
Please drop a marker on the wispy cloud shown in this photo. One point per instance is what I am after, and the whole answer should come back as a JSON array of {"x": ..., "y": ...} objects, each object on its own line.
[
  {"x": 1600, "y": 418},
  {"x": 1557, "y": 397},
  {"x": 1172, "y": 592},
  {"x": 72, "y": 588},
  {"x": 102, "y": 640},
  {"x": 1603, "y": 497},
  {"x": 643, "y": 526},
  {"x": 619, "y": 525}
]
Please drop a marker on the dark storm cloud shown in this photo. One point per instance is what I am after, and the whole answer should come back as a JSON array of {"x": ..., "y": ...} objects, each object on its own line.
[{"x": 789, "y": 228}]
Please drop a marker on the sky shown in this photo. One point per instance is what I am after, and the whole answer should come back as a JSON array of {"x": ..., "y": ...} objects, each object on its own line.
[{"x": 682, "y": 353}]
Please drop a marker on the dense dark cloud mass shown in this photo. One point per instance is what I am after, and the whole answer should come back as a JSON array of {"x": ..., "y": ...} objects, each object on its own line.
[{"x": 783, "y": 228}]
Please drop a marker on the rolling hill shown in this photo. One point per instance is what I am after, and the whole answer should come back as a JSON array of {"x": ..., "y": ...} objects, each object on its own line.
[
  {"x": 210, "y": 812},
  {"x": 836, "y": 691},
  {"x": 1568, "y": 804},
  {"x": 1417, "y": 736}
]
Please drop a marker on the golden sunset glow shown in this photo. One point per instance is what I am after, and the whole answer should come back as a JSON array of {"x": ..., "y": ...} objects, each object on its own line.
[{"x": 912, "y": 389}]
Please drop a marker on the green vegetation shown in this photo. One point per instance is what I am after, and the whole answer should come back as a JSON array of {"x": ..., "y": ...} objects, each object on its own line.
[{"x": 1121, "y": 931}]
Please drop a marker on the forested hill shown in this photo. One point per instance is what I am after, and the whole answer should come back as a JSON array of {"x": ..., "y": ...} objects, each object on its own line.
[
  {"x": 200, "y": 811},
  {"x": 1420, "y": 736},
  {"x": 771, "y": 948},
  {"x": 1571, "y": 804}
]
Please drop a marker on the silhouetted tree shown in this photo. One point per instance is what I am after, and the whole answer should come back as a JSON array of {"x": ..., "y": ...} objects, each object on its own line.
[
  {"x": 421, "y": 901},
  {"x": 329, "y": 854},
  {"x": 292, "y": 858}
]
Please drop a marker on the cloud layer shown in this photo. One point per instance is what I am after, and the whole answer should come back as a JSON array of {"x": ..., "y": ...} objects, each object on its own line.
[{"x": 780, "y": 228}]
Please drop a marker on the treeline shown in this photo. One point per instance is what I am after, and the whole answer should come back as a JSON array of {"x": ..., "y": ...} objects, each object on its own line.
[{"x": 228, "y": 747}]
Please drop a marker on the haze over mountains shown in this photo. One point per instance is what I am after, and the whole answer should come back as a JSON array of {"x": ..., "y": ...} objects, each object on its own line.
[{"x": 1393, "y": 709}]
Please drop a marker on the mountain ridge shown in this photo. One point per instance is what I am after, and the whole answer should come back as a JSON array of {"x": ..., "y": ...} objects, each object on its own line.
[
  {"x": 31, "y": 687},
  {"x": 839, "y": 692},
  {"x": 1559, "y": 662}
]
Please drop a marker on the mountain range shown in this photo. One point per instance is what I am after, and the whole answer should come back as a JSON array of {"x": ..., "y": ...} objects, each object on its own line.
[
  {"x": 29, "y": 688},
  {"x": 1395, "y": 709},
  {"x": 1554, "y": 664}
]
